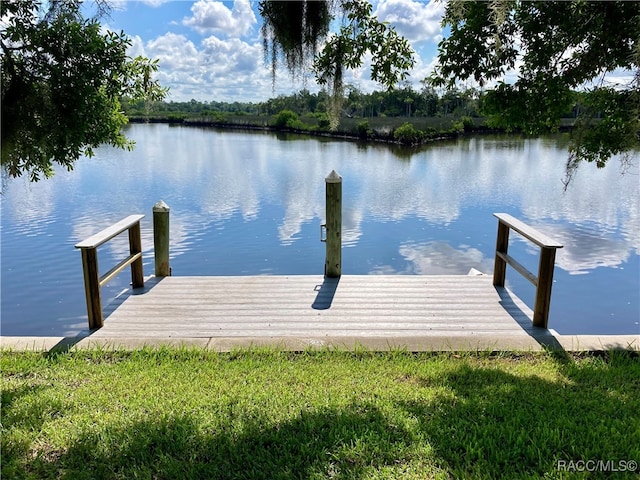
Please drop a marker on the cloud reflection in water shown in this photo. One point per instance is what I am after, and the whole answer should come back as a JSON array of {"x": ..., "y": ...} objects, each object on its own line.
[{"x": 252, "y": 203}]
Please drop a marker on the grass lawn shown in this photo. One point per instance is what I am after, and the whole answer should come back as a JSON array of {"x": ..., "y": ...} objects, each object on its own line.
[{"x": 187, "y": 413}]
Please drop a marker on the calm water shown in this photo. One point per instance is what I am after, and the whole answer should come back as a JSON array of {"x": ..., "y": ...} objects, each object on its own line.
[{"x": 252, "y": 203}]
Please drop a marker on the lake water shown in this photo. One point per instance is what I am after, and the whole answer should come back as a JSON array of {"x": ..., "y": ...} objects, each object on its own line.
[{"x": 252, "y": 204}]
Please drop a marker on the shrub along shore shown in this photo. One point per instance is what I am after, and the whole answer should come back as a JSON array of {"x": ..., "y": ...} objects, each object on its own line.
[
  {"x": 411, "y": 131},
  {"x": 190, "y": 413},
  {"x": 387, "y": 130}
]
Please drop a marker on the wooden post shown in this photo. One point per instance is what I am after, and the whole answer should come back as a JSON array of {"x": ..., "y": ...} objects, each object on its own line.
[
  {"x": 135, "y": 246},
  {"x": 92, "y": 287},
  {"x": 333, "y": 260},
  {"x": 502, "y": 245},
  {"x": 161, "y": 239},
  {"x": 543, "y": 289}
]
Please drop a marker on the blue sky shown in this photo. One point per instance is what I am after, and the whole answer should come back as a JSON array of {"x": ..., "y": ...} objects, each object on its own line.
[{"x": 212, "y": 50}]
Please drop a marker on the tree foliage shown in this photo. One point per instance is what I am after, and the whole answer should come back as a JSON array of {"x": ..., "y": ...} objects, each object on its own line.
[
  {"x": 295, "y": 29},
  {"x": 62, "y": 77},
  {"x": 557, "y": 47}
]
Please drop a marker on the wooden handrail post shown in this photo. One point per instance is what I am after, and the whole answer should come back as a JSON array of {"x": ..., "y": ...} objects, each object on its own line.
[
  {"x": 92, "y": 279},
  {"x": 92, "y": 287},
  {"x": 500, "y": 265},
  {"x": 544, "y": 281},
  {"x": 161, "y": 239},
  {"x": 135, "y": 246},
  {"x": 333, "y": 260},
  {"x": 543, "y": 290}
]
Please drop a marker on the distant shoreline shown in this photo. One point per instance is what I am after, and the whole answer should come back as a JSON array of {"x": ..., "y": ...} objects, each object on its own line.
[{"x": 449, "y": 128}]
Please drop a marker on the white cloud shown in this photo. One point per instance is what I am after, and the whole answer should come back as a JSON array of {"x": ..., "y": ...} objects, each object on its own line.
[
  {"x": 420, "y": 71},
  {"x": 214, "y": 17},
  {"x": 137, "y": 47},
  {"x": 174, "y": 52},
  {"x": 231, "y": 55},
  {"x": 416, "y": 21},
  {"x": 585, "y": 248},
  {"x": 419, "y": 23},
  {"x": 617, "y": 79},
  {"x": 216, "y": 69}
]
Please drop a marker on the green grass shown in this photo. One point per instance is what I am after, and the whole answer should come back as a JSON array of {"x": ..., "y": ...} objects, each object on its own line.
[{"x": 182, "y": 413}]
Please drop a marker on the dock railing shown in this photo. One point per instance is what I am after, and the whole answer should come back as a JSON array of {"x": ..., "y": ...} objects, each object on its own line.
[
  {"x": 92, "y": 279},
  {"x": 544, "y": 280}
]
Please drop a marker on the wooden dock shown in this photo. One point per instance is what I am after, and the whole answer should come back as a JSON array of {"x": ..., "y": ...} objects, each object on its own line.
[
  {"x": 379, "y": 312},
  {"x": 375, "y": 312},
  {"x": 414, "y": 311}
]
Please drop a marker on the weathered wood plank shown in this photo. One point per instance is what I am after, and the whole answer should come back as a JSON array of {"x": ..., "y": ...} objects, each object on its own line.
[
  {"x": 545, "y": 283},
  {"x": 108, "y": 233},
  {"x": 521, "y": 269},
  {"x": 303, "y": 306},
  {"x": 288, "y": 329},
  {"x": 119, "y": 268},
  {"x": 382, "y": 322},
  {"x": 161, "y": 239},
  {"x": 333, "y": 213},
  {"x": 92, "y": 287},
  {"x": 528, "y": 232}
]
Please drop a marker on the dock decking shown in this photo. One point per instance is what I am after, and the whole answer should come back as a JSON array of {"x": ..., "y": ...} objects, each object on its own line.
[
  {"x": 371, "y": 310},
  {"x": 375, "y": 312}
]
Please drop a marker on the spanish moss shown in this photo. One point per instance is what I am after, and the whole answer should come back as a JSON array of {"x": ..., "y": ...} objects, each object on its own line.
[{"x": 293, "y": 30}]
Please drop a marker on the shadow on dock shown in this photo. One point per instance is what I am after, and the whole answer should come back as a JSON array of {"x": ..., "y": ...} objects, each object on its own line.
[
  {"x": 326, "y": 292},
  {"x": 522, "y": 315}
]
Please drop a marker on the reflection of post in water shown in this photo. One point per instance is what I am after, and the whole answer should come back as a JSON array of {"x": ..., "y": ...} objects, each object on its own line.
[{"x": 333, "y": 260}]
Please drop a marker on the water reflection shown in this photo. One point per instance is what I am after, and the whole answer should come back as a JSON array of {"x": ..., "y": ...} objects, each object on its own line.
[
  {"x": 252, "y": 203},
  {"x": 438, "y": 258},
  {"x": 587, "y": 247}
]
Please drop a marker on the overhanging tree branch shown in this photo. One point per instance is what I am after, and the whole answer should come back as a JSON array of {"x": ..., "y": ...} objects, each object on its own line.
[
  {"x": 563, "y": 46},
  {"x": 62, "y": 80}
]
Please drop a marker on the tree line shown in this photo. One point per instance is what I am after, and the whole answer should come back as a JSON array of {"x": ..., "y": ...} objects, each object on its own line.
[{"x": 401, "y": 102}]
